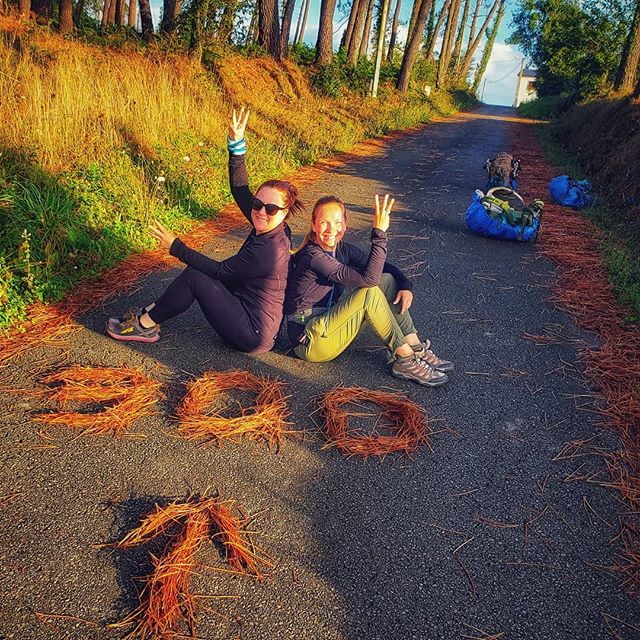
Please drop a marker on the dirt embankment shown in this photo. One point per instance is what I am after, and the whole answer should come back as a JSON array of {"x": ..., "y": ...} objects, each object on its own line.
[{"x": 605, "y": 136}]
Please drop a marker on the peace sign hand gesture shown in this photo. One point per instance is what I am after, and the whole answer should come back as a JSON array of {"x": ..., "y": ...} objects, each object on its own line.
[
  {"x": 383, "y": 211},
  {"x": 238, "y": 124}
]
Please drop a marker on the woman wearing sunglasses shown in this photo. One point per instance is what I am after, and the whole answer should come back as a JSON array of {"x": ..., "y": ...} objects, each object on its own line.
[
  {"x": 321, "y": 322},
  {"x": 242, "y": 296}
]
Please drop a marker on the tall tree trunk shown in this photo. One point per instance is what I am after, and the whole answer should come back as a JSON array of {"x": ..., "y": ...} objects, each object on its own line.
[
  {"x": 348, "y": 32},
  {"x": 112, "y": 11},
  {"x": 43, "y": 9},
  {"x": 474, "y": 20},
  {"x": 119, "y": 17},
  {"x": 253, "y": 25},
  {"x": 226, "y": 21},
  {"x": 412, "y": 20},
  {"x": 77, "y": 14},
  {"x": 498, "y": 5},
  {"x": 488, "y": 48},
  {"x": 132, "y": 14},
  {"x": 413, "y": 44},
  {"x": 25, "y": 8},
  {"x": 428, "y": 54},
  {"x": 366, "y": 34},
  {"x": 170, "y": 13},
  {"x": 106, "y": 9},
  {"x": 269, "y": 26},
  {"x": 430, "y": 28},
  {"x": 447, "y": 44},
  {"x": 636, "y": 92},
  {"x": 66, "y": 16},
  {"x": 353, "y": 46},
  {"x": 287, "y": 18},
  {"x": 200, "y": 11},
  {"x": 145, "y": 19},
  {"x": 625, "y": 78},
  {"x": 299, "y": 22},
  {"x": 305, "y": 18},
  {"x": 457, "y": 47},
  {"x": 394, "y": 30},
  {"x": 324, "y": 44},
  {"x": 382, "y": 29}
]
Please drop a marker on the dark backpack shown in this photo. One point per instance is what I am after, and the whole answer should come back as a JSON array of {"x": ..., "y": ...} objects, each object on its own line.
[{"x": 502, "y": 171}]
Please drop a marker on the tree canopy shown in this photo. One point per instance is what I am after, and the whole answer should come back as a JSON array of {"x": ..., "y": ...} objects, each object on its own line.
[{"x": 576, "y": 45}]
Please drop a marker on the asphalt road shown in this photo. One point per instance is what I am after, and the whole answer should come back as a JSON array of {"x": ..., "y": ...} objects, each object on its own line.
[{"x": 365, "y": 550}]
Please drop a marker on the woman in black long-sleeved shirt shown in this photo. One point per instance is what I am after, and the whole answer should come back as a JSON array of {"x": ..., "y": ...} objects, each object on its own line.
[
  {"x": 322, "y": 322},
  {"x": 242, "y": 296}
]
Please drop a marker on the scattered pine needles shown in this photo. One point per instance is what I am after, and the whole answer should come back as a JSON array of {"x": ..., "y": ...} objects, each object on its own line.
[
  {"x": 583, "y": 290},
  {"x": 265, "y": 420},
  {"x": 166, "y": 600},
  {"x": 406, "y": 420},
  {"x": 126, "y": 393}
]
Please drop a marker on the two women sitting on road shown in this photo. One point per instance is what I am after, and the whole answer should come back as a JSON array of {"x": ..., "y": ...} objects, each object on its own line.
[
  {"x": 242, "y": 297},
  {"x": 323, "y": 319}
]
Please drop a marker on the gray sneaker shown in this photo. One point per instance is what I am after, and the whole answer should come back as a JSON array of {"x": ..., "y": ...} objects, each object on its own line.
[
  {"x": 416, "y": 369},
  {"x": 129, "y": 329},
  {"x": 423, "y": 351}
]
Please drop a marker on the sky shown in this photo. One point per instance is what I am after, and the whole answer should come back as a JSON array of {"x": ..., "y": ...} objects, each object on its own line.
[{"x": 502, "y": 70}]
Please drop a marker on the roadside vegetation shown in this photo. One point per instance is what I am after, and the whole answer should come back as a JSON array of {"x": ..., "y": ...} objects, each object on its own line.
[
  {"x": 587, "y": 56},
  {"x": 618, "y": 221}
]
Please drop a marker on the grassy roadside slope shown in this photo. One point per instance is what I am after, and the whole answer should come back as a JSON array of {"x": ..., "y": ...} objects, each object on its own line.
[
  {"x": 600, "y": 141},
  {"x": 95, "y": 142}
]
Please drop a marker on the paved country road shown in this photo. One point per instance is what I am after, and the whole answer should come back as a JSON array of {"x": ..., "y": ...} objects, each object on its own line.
[{"x": 365, "y": 550}]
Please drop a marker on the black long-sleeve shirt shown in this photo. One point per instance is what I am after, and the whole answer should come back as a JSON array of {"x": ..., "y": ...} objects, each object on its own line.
[
  {"x": 318, "y": 277},
  {"x": 257, "y": 274}
]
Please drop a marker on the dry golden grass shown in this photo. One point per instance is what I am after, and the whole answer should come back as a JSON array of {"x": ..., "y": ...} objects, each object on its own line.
[{"x": 75, "y": 104}]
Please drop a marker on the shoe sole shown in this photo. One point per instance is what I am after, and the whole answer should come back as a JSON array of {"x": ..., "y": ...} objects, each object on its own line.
[
  {"x": 426, "y": 383},
  {"x": 115, "y": 336},
  {"x": 446, "y": 368}
]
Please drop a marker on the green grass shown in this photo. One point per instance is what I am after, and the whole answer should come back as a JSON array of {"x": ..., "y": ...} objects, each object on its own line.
[
  {"x": 545, "y": 108},
  {"x": 620, "y": 247}
]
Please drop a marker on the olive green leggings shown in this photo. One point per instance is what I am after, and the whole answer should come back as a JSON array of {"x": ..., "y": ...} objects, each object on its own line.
[{"x": 332, "y": 332}]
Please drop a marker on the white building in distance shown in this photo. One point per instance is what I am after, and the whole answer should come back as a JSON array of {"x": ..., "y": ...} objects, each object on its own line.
[{"x": 525, "y": 89}]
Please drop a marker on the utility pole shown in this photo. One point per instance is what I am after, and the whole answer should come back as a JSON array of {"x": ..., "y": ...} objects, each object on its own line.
[
  {"x": 381, "y": 33},
  {"x": 516, "y": 102},
  {"x": 484, "y": 84}
]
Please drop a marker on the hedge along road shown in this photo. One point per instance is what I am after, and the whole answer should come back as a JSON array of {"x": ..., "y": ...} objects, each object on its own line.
[{"x": 365, "y": 550}]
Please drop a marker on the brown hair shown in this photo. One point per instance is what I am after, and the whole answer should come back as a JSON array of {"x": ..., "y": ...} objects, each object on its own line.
[
  {"x": 290, "y": 193},
  {"x": 321, "y": 202}
]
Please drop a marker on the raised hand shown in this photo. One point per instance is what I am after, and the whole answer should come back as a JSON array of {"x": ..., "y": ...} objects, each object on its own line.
[
  {"x": 161, "y": 234},
  {"x": 383, "y": 211},
  {"x": 238, "y": 124}
]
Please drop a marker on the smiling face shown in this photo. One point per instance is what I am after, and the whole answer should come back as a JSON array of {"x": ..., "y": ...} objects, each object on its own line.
[
  {"x": 263, "y": 222},
  {"x": 329, "y": 225}
]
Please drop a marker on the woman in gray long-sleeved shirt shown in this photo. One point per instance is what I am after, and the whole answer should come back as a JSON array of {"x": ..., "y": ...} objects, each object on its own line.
[
  {"x": 323, "y": 319},
  {"x": 242, "y": 296}
]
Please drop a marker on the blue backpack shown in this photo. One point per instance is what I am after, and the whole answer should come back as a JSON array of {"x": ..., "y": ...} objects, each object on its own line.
[
  {"x": 570, "y": 193},
  {"x": 505, "y": 217}
]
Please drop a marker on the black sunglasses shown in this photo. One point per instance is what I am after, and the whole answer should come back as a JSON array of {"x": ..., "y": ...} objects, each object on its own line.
[{"x": 271, "y": 209}]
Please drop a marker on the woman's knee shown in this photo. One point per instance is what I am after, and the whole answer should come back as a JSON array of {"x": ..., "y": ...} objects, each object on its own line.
[{"x": 388, "y": 286}]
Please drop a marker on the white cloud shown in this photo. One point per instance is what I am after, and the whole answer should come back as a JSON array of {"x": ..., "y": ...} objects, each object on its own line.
[{"x": 501, "y": 74}]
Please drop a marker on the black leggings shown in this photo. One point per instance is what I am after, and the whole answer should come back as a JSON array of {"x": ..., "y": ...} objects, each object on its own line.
[{"x": 222, "y": 309}]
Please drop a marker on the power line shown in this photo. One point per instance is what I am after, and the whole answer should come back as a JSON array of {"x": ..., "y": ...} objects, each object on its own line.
[{"x": 506, "y": 75}]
